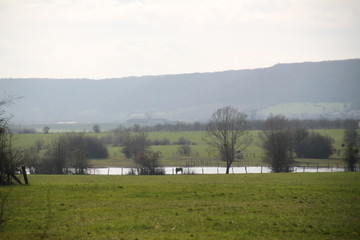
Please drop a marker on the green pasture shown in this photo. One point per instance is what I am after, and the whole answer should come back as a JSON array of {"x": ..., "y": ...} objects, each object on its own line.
[
  {"x": 200, "y": 151},
  {"x": 236, "y": 206}
]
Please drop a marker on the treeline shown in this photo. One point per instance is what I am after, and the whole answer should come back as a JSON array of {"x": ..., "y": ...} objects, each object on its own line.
[
  {"x": 119, "y": 138},
  {"x": 201, "y": 126},
  {"x": 250, "y": 125},
  {"x": 69, "y": 153}
]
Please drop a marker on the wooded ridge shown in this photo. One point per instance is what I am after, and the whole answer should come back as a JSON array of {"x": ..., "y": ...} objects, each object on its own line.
[{"x": 185, "y": 97}]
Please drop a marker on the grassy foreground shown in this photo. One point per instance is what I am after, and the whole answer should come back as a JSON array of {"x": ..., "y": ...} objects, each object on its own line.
[{"x": 253, "y": 206}]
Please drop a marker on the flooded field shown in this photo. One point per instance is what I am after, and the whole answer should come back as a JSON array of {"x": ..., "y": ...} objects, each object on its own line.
[{"x": 212, "y": 170}]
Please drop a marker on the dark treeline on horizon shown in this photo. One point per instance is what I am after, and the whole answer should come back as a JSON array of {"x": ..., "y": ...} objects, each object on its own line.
[{"x": 250, "y": 125}]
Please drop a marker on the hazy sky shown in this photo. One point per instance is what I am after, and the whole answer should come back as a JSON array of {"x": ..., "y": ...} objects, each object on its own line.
[{"x": 118, "y": 38}]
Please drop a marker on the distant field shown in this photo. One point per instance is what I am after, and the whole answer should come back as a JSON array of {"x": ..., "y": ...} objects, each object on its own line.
[
  {"x": 200, "y": 155},
  {"x": 306, "y": 108},
  {"x": 236, "y": 206}
]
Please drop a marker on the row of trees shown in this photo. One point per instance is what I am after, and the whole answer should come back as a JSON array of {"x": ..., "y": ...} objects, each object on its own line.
[
  {"x": 68, "y": 153},
  {"x": 253, "y": 124},
  {"x": 280, "y": 138},
  {"x": 119, "y": 139}
]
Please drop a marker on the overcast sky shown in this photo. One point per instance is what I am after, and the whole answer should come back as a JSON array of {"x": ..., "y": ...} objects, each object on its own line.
[{"x": 119, "y": 38}]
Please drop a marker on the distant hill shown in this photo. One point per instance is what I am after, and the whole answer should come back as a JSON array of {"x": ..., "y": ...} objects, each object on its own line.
[{"x": 193, "y": 97}]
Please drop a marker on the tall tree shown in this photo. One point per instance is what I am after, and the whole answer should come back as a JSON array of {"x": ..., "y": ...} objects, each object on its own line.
[
  {"x": 227, "y": 135},
  {"x": 277, "y": 142},
  {"x": 351, "y": 146}
]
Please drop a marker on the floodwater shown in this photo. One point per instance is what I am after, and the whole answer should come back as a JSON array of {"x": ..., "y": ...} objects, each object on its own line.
[{"x": 213, "y": 170}]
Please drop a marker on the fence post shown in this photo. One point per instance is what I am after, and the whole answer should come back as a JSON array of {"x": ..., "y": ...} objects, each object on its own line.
[
  {"x": 108, "y": 171},
  {"x": 304, "y": 169},
  {"x": 245, "y": 170},
  {"x": 317, "y": 167},
  {"x": 261, "y": 169}
]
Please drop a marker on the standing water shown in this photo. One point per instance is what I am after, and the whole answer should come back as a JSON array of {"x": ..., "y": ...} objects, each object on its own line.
[{"x": 212, "y": 170}]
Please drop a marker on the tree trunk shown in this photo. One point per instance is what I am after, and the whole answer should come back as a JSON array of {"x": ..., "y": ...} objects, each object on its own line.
[{"x": 228, "y": 167}]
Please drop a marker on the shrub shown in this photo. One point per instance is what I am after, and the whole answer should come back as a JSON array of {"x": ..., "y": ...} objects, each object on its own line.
[
  {"x": 184, "y": 150},
  {"x": 149, "y": 163},
  {"x": 315, "y": 145}
]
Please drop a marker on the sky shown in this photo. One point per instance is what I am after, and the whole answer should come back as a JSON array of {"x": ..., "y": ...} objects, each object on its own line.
[{"x": 118, "y": 38}]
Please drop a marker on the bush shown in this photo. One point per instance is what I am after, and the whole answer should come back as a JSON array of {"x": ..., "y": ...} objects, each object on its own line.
[
  {"x": 149, "y": 163},
  {"x": 184, "y": 150},
  {"x": 164, "y": 141},
  {"x": 96, "y": 149},
  {"x": 183, "y": 141},
  {"x": 315, "y": 145}
]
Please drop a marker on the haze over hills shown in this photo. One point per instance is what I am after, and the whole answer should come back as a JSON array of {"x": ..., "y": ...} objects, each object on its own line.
[{"x": 312, "y": 89}]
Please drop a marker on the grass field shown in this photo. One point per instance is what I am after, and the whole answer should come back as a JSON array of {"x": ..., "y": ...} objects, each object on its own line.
[
  {"x": 200, "y": 155},
  {"x": 254, "y": 206}
]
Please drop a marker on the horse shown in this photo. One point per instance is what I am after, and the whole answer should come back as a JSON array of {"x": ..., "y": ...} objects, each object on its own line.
[{"x": 180, "y": 169}]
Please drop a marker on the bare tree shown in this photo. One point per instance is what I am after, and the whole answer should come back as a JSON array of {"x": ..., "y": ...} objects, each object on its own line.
[
  {"x": 227, "y": 135},
  {"x": 277, "y": 142},
  {"x": 135, "y": 144},
  {"x": 9, "y": 156},
  {"x": 149, "y": 163},
  {"x": 184, "y": 150},
  {"x": 57, "y": 155}
]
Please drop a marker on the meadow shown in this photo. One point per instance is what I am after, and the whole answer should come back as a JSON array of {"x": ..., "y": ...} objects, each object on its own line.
[
  {"x": 236, "y": 206},
  {"x": 200, "y": 153}
]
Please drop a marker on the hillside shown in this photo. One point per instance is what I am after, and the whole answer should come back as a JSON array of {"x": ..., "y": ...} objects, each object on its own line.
[{"x": 191, "y": 97}]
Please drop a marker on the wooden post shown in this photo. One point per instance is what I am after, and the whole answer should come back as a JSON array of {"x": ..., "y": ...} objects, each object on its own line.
[
  {"x": 24, "y": 175},
  {"x": 16, "y": 179}
]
